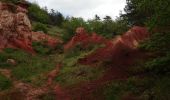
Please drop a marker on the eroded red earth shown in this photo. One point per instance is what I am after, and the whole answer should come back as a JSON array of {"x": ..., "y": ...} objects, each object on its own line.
[
  {"x": 15, "y": 29},
  {"x": 15, "y": 32}
]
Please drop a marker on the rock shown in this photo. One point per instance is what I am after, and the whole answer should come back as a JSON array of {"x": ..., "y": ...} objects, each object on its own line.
[
  {"x": 83, "y": 38},
  {"x": 50, "y": 41},
  {"x": 15, "y": 29},
  {"x": 11, "y": 62},
  {"x": 119, "y": 49},
  {"x": 6, "y": 72}
]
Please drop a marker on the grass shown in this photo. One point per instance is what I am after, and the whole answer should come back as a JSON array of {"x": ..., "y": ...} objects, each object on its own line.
[
  {"x": 71, "y": 75},
  {"x": 56, "y": 31},
  {"x": 28, "y": 67},
  {"x": 74, "y": 73},
  {"x": 33, "y": 69},
  {"x": 5, "y": 83},
  {"x": 147, "y": 88}
]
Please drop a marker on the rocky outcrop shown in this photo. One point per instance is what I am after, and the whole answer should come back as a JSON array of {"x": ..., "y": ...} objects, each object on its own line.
[
  {"x": 48, "y": 40},
  {"x": 84, "y": 39},
  {"x": 120, "y": 49},
  {"x": 15, "y": 29}
]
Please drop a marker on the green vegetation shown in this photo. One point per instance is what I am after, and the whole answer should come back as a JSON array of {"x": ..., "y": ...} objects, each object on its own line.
[
  {"x": 5, "y": 83},
  {"x": 38, "y": 14},
  {"x": 107, "y": 27},
  {"x": 153, "y": 13},
  {"x": 41, "y": 48},
  {"x": 73, "y": 73},
  {"x": 155, "y": 69},
  {"x": 28, "y": 67},
  {"x": 40, "y": 27},
  {"x": 11, "y": 1}
]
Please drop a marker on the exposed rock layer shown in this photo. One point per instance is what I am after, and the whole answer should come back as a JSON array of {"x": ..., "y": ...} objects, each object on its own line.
[
  {"x": 84, "y": 39},
  {"x": 15, "y": 29},
  {"x": 119, "y": 49}
]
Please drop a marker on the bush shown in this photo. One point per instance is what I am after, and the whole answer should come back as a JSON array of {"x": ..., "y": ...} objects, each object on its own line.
[
  {"x": 41, "y": 48},
  {"x": 5, "y": 83},
  {"x": 159, "y": 65},
  {"x": 70, "y": 25},
  {"x": 158, "y": 42},
  {"x": 10, "y": 1},
  {"x": 38, "y": 14},
  {"x": 40, "y": 27}
]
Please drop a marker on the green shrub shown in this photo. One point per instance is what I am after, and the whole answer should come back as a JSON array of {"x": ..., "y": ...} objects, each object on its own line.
[
  {"x": 11, "y": 1},
  {"x": 38, "y": 14},
  {"x": 158, "y": 65},
  {"x": 5, "y": 83},
  {"x": 158, "y": 42},
  {"x": 70, "y": 25},
  {"x": 40, "y": 27},
  {"x": 41, "y": 48}
]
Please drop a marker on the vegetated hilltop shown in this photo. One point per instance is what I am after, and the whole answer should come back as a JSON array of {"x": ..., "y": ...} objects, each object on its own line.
[{"x": 100, "y": 61}]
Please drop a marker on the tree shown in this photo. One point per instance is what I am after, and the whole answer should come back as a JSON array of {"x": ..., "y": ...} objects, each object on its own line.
[
  {"x": 56, "y": 18},
  {"x": 38, "y": 14},
  {"x": 154, "y": 13},
  {"x": 97, "y": 17},
  {"x": 11, "y": 1},
  {"x": 71, "y": 24}
]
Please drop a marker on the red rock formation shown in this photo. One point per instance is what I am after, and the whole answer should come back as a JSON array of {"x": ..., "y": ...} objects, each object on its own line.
[
  {"x": 15, "y": 29},
  {"x": 83, "y": 38},
  {"x": 50, "y": 41},
  {"x": 119, "y": 49}
]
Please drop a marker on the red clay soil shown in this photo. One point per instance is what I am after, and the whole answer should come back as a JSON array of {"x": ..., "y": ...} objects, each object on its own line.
[
  {"x": 83, "y": 38},
  {"x": 15, "y": 29},
  {"x": 120, "y": 49},
  {"x": 122, "y": 53},
  {"x": 117, "y": 72}
]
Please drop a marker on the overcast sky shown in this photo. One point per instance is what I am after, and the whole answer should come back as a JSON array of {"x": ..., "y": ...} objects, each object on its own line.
[{"x": 85, "y": 8}]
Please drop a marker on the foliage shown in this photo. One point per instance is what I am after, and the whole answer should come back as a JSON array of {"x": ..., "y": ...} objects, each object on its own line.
[
  {"x": 107, "y": 27},
  {"x": 158, "y": 11},
  {"x": 71, "y": 75},
  {"x": 158, "y": 42},
  {"x": 70, "y": 25},
  {"x": 38, "y": 14},
  {"x": 11, "y": 1},
  {"x": 28, "y": 67},
  {"x": 56, "y": 18},
  {"x": 40, "y": 27},
  {"x": 154, "y": 13},
  {"x": 56, "y": 31},
  {"x": 41, "y": 48},
  {"x": 158, "y": 65},
  {"x": 5, "y": 83}
]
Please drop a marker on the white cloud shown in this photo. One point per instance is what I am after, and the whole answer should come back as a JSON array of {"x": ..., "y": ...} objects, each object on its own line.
[{"x": 85, "y": 8}]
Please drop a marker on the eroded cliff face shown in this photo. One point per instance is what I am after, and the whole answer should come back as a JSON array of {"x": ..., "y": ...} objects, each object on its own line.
[
  {"x": 15, "y": 29},
  {"x": 84, "y": 39},
  {"x": 120, "y": 49}
]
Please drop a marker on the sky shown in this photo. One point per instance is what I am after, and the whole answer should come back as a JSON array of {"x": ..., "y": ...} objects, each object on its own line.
[{"x": 86, "y": 9}]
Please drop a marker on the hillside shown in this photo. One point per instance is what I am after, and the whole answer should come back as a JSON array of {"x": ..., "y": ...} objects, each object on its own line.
[{"x": 44, "y": 56}]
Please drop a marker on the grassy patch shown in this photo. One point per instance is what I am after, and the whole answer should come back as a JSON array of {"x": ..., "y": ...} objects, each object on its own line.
[
  {"x": 70, "y": 75},
  {"x": 28, "y": 67},
  {"x": 5, "y": 83},
  {"x": 74, "y": 73}
]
